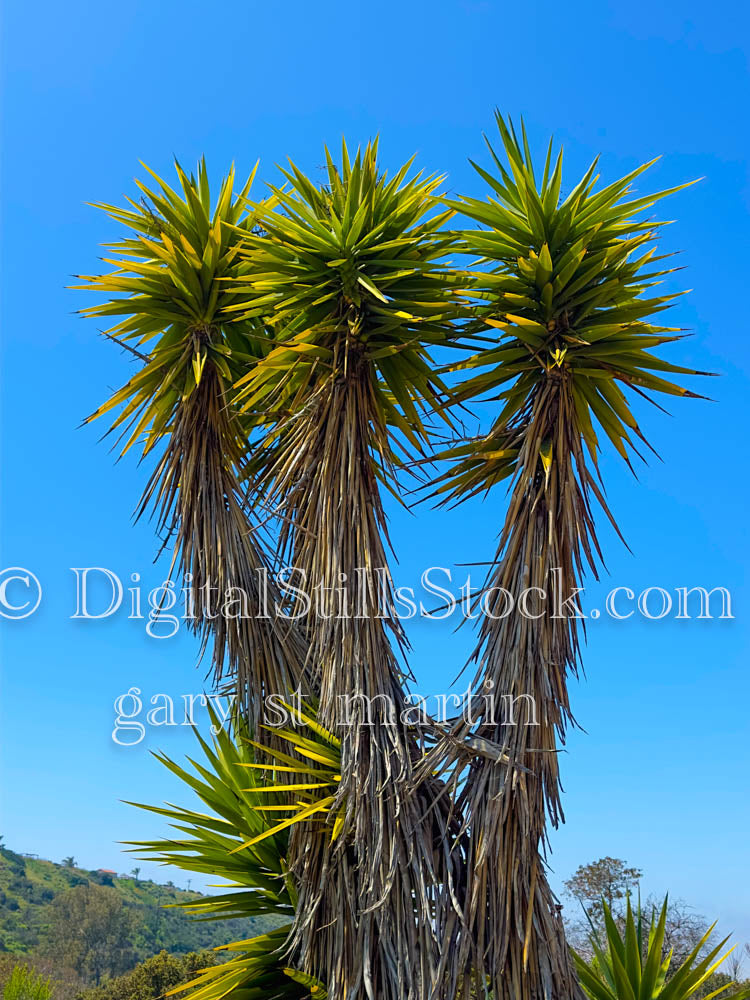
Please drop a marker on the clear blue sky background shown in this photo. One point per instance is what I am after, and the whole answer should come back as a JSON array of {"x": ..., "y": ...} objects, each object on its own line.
[{"x": 660, "y": 776}]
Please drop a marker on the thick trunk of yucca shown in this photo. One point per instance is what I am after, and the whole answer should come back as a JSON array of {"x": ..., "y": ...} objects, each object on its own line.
[
  {"x": 196, "y": 495},
  {"x": 364, "y": 920},
  {"x": 516, "y": 929}
]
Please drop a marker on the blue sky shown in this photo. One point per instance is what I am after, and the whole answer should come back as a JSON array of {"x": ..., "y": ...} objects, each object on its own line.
[{"x": 660, "y": 775}]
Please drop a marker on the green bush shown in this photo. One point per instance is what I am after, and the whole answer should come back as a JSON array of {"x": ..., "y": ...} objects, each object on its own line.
[
  {"x": 152, "y": 979},
  {"x": 26, "y": 984}
]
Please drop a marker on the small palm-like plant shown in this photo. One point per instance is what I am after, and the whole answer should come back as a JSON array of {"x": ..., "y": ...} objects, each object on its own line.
[
  {"x": 239, "y": 841},
  {"x": 256, "y": 971},
  {"x": 630, "y": 965}
]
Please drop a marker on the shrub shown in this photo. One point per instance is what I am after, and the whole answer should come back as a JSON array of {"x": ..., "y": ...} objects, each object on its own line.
[
  {"x": 153, "y": 978},
  {"x": 27, "y": 984}
]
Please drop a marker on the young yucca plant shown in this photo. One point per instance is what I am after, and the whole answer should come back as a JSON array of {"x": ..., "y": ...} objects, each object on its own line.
[
  {"x": 630, "y": 965},
  {"x": 172, "y": 284},
  {"x": 566, "y": 284},
  {"x": 351, "y": 280},
  {"x": 238, "y": 840}
]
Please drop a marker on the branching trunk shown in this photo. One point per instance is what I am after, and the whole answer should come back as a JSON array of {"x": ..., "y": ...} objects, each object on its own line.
[
  {"x": 199, "y": 506},
  {"x": 520, "y": 703},
  {"x": 366, "y": 902}
]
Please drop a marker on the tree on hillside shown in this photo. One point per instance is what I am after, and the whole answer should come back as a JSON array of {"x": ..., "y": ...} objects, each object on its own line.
[
  {"x": 69, "y": 862},
  {"x": 629, "y": 960},
  {"x": 92, "y": 931},
  {"x": 608, "y": 878},
  {"x": 152, "y": 978},
  {"x": 683, "y": 929}
]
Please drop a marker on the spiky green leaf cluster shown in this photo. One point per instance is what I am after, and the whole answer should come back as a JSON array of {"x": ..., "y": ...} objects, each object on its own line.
[
  {"x": 627, "y": 966},
  {"x": 238, "y": 839},
  {"x": 351, "y": 277},
  {"x": 256, "y": 973},
  {"x": 171, "y": 283},
  {"x": 233, "y": 840},
  {"x": 313, "y": 761},
  {"x": 567, "y": 287}
]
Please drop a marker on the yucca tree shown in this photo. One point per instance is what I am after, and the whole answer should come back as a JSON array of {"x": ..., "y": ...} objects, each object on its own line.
[
  {"x": 350, "y": 278},
  {"x": 287, "y": 377},
  {"x": 172, "y": 286},
  {"x": 565, "y": 284}
]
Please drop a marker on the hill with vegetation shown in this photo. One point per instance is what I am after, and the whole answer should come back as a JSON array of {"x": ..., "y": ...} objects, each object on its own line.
[{"x": 35, "y": 893}]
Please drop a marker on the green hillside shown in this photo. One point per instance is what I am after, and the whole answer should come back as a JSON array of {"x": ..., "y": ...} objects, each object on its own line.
[{"x": 28, "y": 887}]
